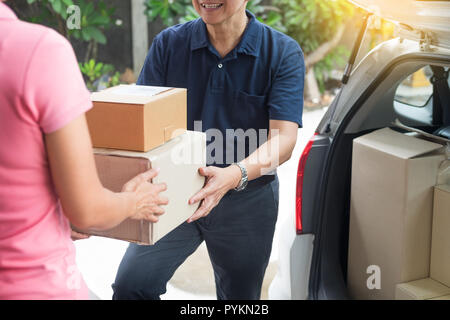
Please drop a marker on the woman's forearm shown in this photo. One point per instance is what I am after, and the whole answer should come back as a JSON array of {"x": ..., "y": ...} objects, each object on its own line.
[
  {"x": 86, "y": 203},
  {"x": 103, "y": 209}
]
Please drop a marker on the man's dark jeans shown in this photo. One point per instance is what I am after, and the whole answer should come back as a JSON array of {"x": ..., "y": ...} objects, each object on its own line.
[{"x": 238, "y": 234}]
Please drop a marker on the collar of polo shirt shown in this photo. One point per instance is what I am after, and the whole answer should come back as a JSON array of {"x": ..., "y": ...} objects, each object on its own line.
[{"x": 250, "y": 43}]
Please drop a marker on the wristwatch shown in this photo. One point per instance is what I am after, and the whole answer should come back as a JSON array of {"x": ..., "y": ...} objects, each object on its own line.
[{"x": 244, "y": 178}]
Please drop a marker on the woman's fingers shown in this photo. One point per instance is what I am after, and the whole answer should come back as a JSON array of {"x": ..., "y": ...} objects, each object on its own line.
[
  {"x": 144, "y": 177},
  {"x": 149, "y": 197},
  {"x": 162, "y": 200},
  {"x": 149, "y": 216},
  {"x": 148, "y": 212},
  {"x": 78, "y": 236},
  {"x": 157, "y": 210},
  {"x": 160, "y": 187},
  {"x": 148, "y": 175}
]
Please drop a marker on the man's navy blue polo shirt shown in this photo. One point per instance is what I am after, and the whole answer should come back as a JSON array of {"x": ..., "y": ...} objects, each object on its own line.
[{"x": 261, "y": 79}]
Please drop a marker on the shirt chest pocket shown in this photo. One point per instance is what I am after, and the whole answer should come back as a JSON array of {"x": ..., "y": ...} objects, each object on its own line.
[{"x": 249, "y": 111}]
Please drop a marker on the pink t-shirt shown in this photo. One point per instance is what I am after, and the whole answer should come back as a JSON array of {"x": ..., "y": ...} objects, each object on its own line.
[{"x": 41, "y": 91}]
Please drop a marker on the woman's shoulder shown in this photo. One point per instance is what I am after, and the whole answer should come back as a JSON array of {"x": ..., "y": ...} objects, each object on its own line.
[{"x": 33, "y": 34}]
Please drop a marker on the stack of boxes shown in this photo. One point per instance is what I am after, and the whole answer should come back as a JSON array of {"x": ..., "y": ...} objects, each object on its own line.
[
  {"x": 440, "y": 239},
  {"x": 399, "y": 219},
  {"x": 135, "y": 128}
]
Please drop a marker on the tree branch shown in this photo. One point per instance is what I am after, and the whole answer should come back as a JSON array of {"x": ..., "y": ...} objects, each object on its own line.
[{"x": 324, "y": 48}]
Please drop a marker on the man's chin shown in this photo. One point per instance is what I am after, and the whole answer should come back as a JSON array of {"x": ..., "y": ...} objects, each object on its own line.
[{"x": 212, "y": 20}]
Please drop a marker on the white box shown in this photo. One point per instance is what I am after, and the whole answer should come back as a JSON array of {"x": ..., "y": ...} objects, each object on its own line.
[{"x": 179, "y": 161}]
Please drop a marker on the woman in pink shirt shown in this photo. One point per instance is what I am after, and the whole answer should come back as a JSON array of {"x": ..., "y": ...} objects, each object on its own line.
[{"x": 47, "y": 166}]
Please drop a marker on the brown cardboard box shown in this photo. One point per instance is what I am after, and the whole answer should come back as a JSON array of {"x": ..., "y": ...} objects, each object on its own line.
[
  {"x": 422, "y": 289},
  {"x": 179, "y": 160},
  {"x": 139, "y": 118},
  {"x": 391, "y": 210},
  {"x": 440, "y": 243}
]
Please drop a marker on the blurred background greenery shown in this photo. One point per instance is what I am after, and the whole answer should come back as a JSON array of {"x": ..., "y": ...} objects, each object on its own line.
[
  {"x": 325, "y": 30},
  {"x": 311, "y": 22}
]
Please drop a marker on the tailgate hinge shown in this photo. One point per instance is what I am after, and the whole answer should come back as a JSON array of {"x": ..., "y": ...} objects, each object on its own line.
[{"x": 426, "y": 38}]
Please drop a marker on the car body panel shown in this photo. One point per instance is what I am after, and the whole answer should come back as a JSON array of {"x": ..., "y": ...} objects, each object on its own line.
[
  {"x": 295, "y": 254},
  {"x": 312, "y": 181},
  {"x": 300, "y": 265},
  {"x": 427, "y": 16},
  {"x": 375, "y": 64},
  {"x": 326, "y": 184}
]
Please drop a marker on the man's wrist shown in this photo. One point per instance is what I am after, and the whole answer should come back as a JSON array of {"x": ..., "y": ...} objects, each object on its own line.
[
  {"x": 244, "y": 177},
  {"x": 236, "y": 174}
]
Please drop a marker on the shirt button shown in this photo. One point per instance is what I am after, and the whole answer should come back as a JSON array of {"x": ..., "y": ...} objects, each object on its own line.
[{"x": 220, "y": 66}]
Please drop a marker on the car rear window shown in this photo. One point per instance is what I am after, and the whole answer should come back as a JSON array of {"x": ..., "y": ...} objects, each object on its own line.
[{"x": 416, "y": 89}]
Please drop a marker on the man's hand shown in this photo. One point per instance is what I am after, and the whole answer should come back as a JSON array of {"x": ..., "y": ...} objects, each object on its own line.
[{"x": 218, "y": 182}]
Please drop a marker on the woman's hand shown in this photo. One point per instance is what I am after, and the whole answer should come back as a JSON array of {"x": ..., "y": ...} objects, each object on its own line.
[
  {"x": 78, "y": 236},
  {"x": 147, "y": 194},
  {"x": 218, "y": 182}
]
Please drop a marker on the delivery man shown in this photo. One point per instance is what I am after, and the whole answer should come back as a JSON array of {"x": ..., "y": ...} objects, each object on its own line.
[{"x": 241, "y": 75}]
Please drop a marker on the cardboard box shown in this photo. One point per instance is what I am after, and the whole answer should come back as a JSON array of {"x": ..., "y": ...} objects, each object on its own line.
[
  {"x": 440, "y": 243},
  {"x": 422, "y": 289},
  {"x": 138, "y": 118},
  {"x": 391, "y": 210},
  {"x": 179, "y": 160}
]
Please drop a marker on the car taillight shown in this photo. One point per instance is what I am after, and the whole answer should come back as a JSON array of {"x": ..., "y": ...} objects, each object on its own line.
[{"x": 299, "y": 193}]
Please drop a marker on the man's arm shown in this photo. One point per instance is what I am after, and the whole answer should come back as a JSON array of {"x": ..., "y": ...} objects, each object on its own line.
[
  {"x": 153, "y": 71},
  {"x": 275, "y": 151}
]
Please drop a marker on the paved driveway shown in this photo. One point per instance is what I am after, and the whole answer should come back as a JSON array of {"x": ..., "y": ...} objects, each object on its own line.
[{"x": 98, "y": 258}]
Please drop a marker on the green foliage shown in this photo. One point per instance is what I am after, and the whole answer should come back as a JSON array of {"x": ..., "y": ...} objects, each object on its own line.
[
  {"x": 95, "y": 18},
  {"x": 189, "y": 15},
  {"x": 99, "y": 75},
  {"x": 313, "y": 22},
  {"x": 333, "y": 60},
  {"x": 180, "y": 11},
  {"x": 57, "y": 6},
  {"x": 310, "y": 22},
  {"x": 50, "y": 11},
  {"x": 268, "y": 15},
  {"x": 167, "y": 10}
]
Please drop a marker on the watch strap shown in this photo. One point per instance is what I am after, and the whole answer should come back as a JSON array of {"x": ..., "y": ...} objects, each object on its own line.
[{"x": 244, "y": 178}]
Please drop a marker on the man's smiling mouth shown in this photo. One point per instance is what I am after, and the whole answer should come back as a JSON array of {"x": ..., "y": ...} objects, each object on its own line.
[{"x": 211, "y": 5}]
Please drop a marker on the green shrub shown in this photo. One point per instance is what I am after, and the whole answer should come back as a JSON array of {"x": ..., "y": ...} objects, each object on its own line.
[
  {"x": 99, "y": 75},
  {"x": 95, "y": 18}
]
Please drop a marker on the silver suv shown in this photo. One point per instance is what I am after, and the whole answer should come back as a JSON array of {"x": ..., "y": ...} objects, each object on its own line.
[{"x": 313, "y": 253}]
